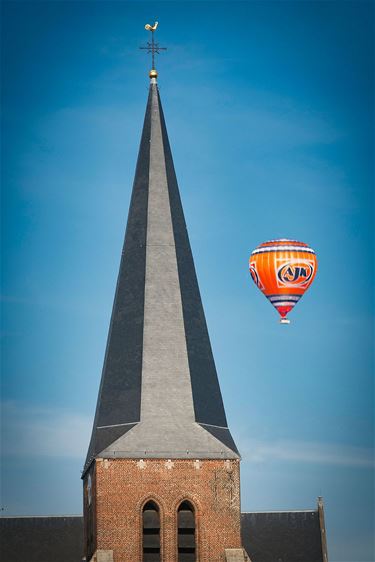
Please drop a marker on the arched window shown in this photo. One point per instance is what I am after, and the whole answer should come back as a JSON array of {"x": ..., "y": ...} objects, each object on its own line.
[
  {"x": 151, "y": 532},
  {"x": 186, "y": 533}
]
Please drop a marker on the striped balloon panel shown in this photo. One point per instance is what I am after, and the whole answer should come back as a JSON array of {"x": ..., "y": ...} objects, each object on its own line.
[{"x": 283, "y": 270}]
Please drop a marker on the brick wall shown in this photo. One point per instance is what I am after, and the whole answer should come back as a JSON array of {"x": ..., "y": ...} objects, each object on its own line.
[{"x": 123, "y": 486}]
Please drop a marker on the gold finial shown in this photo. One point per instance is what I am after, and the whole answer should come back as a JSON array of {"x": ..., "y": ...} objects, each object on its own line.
[{"x": 153, "y": 48}]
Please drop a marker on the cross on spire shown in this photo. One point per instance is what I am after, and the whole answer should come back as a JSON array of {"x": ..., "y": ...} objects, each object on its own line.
[{"x": 153, "y": 47}]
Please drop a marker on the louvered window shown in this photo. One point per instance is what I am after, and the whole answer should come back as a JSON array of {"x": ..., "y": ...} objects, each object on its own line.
[
  {"x": 151, "y": 532},
  {"x": 186, "y": 533}
]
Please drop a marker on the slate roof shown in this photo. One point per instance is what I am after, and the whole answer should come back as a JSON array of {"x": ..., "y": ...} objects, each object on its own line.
[
  {"x": 159, "y": 394},
  {"x": 41, "y": 539},
  {"x": 292, "y": 536},
  {"x": 267, "y": 537}
]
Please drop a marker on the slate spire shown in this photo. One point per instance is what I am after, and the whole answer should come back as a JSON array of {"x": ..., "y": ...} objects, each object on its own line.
[{"x": 159, "y": 394}]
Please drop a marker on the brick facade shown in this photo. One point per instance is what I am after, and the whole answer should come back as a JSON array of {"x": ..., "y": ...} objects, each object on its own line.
[{"x": 121, "y": 487}]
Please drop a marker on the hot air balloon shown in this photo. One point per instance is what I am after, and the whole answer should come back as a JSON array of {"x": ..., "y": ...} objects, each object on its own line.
[{"x": 283, "y": 270}]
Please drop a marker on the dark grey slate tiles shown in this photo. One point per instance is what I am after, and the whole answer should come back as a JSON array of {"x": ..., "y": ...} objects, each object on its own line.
[
  {"x": 41, "y": 539},
  {"x": 292, "y": 536},
  {"x": 159, "y": 379}
]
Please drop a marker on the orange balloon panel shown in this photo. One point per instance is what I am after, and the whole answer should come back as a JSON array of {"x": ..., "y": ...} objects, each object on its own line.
[{"x": 283, "y": 270}]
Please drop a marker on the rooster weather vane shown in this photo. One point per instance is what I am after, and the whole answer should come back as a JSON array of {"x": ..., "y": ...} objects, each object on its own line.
[{"x": 153, "y": 47}]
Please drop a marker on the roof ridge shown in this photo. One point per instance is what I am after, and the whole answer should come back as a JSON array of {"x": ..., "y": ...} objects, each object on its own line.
[
  {"x": 37, "y": 516},
  {"x": 283, "y": 511}
]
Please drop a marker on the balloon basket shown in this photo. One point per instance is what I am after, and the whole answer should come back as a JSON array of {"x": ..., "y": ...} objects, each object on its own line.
[{"x": 284, "y": 321}]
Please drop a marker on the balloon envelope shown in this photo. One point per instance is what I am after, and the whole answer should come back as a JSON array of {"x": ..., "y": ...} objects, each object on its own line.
[{"x": 283, "y": 270}]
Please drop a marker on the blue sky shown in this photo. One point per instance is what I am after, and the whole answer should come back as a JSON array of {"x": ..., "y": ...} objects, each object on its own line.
[{"x": 270, "y": 113}]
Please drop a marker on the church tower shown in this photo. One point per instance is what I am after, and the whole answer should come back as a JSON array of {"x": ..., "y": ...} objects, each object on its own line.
[{"x": 161, "y": 478}]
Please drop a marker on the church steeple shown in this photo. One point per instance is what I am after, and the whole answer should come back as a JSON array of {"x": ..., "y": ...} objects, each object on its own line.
[
  {"x": 159, "y": 395},
  {"x": 161, "y": 479}
]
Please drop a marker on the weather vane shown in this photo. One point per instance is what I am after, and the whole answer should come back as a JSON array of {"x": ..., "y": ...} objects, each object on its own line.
[{"x": 153, "y": 47}]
